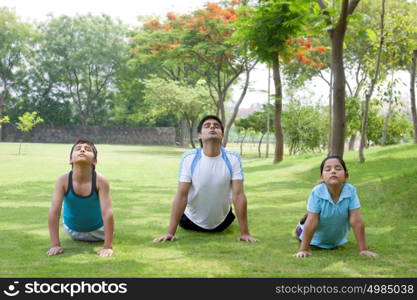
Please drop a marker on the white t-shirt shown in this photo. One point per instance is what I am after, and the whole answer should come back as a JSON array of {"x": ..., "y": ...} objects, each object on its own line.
[{"x": 210, "y": 194}]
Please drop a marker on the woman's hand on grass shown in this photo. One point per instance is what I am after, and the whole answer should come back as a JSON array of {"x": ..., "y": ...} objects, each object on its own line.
[
  {"x": 368, "y": 253},
  {"x": 301, "y": 254},
  {"x": 164, "y": 238},
  {"x": 55, "y": 250},
  {"x": 105, "y": 252}
]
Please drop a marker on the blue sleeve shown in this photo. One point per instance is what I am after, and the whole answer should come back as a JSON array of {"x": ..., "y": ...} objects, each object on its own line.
[
  {"x": 237, "y": 167},
  {"x": 354, "y": 202},
  {"x": 313, "y": 203},
  {"x": 185, "y": 169}
]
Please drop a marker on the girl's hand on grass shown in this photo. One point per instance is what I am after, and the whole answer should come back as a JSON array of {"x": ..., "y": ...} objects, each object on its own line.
[
  {"x": 368, "y": 253},
  {"x": 55, "y": 250},
  {"x": 105, "y": 252},
  {"x": 164, "y": 238},
  {"x": 301, "y": 254},
  {"x": 247, "y": 238}
]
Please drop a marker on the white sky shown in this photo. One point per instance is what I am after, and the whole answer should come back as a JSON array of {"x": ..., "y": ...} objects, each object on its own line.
[{"x": 126, "y": 10}]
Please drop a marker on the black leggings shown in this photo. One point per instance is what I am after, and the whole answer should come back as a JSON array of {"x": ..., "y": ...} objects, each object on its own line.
[{"x": 188, "y": 224}]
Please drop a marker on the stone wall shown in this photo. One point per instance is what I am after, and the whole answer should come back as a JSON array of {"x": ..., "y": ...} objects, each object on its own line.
[{"x": 97, "y": 134}]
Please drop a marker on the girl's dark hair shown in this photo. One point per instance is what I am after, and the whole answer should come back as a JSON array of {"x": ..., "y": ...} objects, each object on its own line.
[
  {"x": 342, "y": 162},
  {"x": 84, "y": 141},
  {"x": 209, "y": 117}
]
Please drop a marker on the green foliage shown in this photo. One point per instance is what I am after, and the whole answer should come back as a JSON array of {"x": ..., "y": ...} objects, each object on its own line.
[
  {"x": 353, "y": 115},
  {"x": 267, "y": 27},
  {"x": 5, "y": 119},
  {"x": 77, "y": 63},
  {"x": 305, "y": 127},
  {"x": 258, "y": 121},
  {"x": 15, "y": 36},
  {"x": 27, "y": 122},
  {"x": 399, "y": 126},
  {"x": 187, "y": 103},
  {"x": 190, "y": 47}
]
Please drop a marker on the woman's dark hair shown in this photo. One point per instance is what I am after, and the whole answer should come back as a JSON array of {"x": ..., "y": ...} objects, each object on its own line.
[
  {"x": 342, "y": 162},
  {"x": 209, "y": 117}
]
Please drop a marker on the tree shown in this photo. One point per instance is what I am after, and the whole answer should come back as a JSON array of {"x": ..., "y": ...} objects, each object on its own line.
[
  {"x": 84, "y": 54},
  {"x": 256, "y": 123},
  {"x": 337, "y": 30},
  {"x": 186, "y": 102},
  {"x": 398, "y": 129},
  {"x": 413, "y": 93},
  {"x": 27, "y": 122},
  {"x": 267, "y": 28},
  {"x": 4, "y": 120},
  {"x": 243, "y": 127},
  {"x": 401, "y": 42},
  {"x": 353, "y": 120},
  {"x": 14, "y": 39},
  {"x": 304, "y": 127},
  {"x": 371, "y": 88},
  {"x": 197, "y": 46}
]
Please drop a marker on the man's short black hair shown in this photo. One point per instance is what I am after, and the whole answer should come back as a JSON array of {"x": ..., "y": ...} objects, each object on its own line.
[{"x": 208, "y": 117}]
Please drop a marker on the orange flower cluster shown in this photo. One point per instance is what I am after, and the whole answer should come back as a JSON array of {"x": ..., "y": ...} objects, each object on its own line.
[
  {"x": 152, "y": 24},
  {"x": 215, "y": 11},
  {"x": 306, "y": 52},
  {"x": 200, "y": 21}
]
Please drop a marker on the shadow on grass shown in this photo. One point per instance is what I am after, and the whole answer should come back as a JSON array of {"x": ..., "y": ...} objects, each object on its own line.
[{"x": 393, "y": 150}]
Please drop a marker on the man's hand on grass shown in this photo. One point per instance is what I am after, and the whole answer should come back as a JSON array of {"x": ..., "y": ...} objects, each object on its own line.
[{"x": 55, "y": 250}]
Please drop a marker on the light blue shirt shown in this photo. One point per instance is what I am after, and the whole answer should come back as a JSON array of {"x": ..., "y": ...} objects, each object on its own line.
[{"x": 334, "y": 223}]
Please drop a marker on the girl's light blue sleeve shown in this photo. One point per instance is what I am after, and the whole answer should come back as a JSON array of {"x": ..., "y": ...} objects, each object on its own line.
[
  {"x": 354, "y": 202},
  {"x": 313, "y": 203}
]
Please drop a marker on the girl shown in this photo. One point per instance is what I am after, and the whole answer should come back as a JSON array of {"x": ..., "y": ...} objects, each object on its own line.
[{"x": 333, "y": 206}]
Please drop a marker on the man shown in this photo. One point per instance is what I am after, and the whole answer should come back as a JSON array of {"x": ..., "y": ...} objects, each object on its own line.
[{"x": 211, "y": 177}]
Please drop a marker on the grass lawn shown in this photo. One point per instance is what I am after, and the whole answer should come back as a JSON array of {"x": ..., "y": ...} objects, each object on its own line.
[{"x": 143, "y": 182}]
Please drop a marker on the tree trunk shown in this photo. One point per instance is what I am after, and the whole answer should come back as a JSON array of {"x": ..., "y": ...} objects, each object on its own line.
[
  {"x": 279, "y": 137},
  {"x": 268, "y": 129},
  {"x": 236, "y": 108},
  {"x": 1, "y": 114},
  {"x": 371, "y": 89},
  {"x": 329, "y": 146},
  {"x": 241, "y": 144},
  {"x": 338, "y": 113},
  {"x": 413, "y": 93},
  {"x": 352, "y": 142},
  {"x": 385, "y": 128},
  {"x": 260, "y": 144},
  {"x": 190, "y": 131},
  {"x": 337, "y": 36}
]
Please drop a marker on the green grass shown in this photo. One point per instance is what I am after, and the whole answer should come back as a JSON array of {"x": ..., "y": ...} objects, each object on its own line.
[{"x": 143, "y": 182}]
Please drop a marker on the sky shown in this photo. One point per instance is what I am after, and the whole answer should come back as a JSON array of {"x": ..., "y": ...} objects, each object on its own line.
[{"x": 126, "y": 10}]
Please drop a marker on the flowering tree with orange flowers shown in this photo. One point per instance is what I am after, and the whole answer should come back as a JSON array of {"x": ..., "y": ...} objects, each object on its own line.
[
  {"x": 189, "y": 47},
  {"x": 273, "y": 30}
]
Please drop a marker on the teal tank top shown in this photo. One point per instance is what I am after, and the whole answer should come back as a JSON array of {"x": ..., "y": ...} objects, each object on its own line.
[{"x": 82, "y": 214}]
